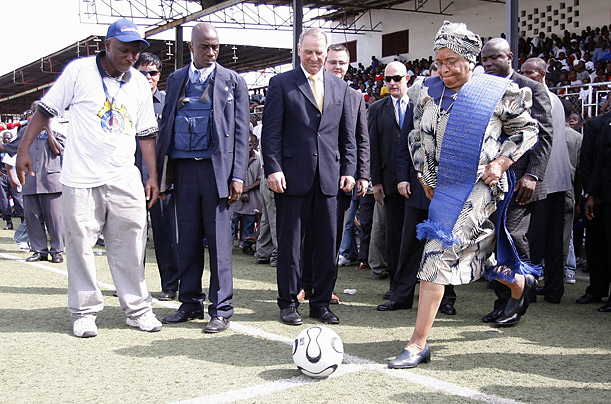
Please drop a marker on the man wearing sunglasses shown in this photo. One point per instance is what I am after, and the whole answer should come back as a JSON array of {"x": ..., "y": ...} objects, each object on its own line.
[
  {"x": 163, "y": 220},
  {"x": 385, "y": 120}
]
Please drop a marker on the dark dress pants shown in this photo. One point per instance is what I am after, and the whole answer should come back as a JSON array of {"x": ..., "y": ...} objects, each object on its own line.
[
  {"x": 404, "y": 282},
  {"x": 201, "y": 212},
  {"x": 518, "y": 223},
  {"x": 546, "y": 242},
  {"x": 598, "y": 248},
  {"x": 43, "y": 213},
  {"x": 163, "y": 222},
  {"x": 343, "y": 203},
  {"x": 310, "y": 218},
  {"x": 8, "y": 190},
  {"x": 394, "y": 207},
  {"x": 366, "y": 205}
]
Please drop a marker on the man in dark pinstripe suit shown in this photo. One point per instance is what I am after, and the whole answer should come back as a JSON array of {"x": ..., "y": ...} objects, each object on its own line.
[{"x": 496, "y": 58}]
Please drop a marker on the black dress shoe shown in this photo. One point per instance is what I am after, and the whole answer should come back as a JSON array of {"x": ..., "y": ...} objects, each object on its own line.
[
  {"x": 37, "y": 257},
  {"x": 217, "y": 324},
  {"x": 518, "y": 305},
  {"x": 167, "y": 295},
  {"x": 540, "y": 290},
  {"x": 606, "y": 308},
  {"x": 182, "y": 316},
  {"x": 325, "y": 315},
  {"x": 447, "y": 309},
  {"x": 261, "y": 261},
  {"x": 588, "y": 298},
  {"x": 380, "y": 276},
  {"x": 290, "y": 316},
  {"x": 508, "y": 321},
  {"x": 57, "y": 258},
  {"x": 391, "y": 305},
  {"x": 387, "y": 295},
  {"x": 492, "y": 316},
  {"x": 407, "y": 359}
]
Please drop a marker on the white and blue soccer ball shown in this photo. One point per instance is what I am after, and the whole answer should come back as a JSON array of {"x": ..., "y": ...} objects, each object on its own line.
[{"x": 318, "y": 351}]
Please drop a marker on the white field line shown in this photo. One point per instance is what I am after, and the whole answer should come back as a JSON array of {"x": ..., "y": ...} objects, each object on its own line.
[{"x": 351, "y": 364}]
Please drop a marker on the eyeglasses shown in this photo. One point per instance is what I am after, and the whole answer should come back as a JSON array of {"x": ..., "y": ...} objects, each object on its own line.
[
  {"x": 397, "y": 78},
  {"x": 447, "y": 64},
  {"x": 153, "y": 73}
]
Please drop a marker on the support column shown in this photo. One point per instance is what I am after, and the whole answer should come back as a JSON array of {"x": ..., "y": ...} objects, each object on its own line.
[
  {"x": 179, "y": 48},
  {"x": 297, "y": 28},
  {"x": 511, "y": 22}
]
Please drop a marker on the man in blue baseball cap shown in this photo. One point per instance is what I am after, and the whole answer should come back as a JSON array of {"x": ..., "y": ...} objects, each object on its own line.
[
  {"x": 123, "y": 45},
  {"x": 110, "y": 106}
]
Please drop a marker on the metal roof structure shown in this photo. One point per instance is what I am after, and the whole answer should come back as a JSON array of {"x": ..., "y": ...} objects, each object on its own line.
[
  {"x": 22, "y": 86},
  {"x": 350, "y": 16}
]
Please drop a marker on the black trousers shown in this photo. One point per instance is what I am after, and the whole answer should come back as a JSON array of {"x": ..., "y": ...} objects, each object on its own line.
[
  {"x": 518, "y": 222},
  {"x": 394, "y": 208},
  {"x": 598, "y": 251},
  {"x": 404, "y": 282},
  {"x": 366, "y": 205},
  {"x": 163, "y": 222},
  {"x": 201, "y": 212},
  {"x": 343, "y": 203},
  {"x": 546, "y": 242},
  {"x": 311, "y": 217}
]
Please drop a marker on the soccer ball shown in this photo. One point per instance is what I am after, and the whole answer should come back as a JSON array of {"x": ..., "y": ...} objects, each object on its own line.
[{"x": 318, "y": 351}]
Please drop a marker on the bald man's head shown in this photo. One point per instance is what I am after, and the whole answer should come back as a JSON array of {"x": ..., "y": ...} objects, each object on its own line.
[
  {"x": 204, "y": 45},
  {"x": 396, "y": 79},
  {"x": 497, "y": 57}
]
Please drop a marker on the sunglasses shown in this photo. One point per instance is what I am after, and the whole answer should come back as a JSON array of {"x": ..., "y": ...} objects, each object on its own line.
[
  {"x": 153, "y": 73},
  {"x": 397, "y": 78}
]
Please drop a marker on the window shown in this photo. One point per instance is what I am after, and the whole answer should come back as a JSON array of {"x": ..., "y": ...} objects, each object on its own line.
[
  {"x": 352, "y": 49},
  {"x": 395, "y": 43}
]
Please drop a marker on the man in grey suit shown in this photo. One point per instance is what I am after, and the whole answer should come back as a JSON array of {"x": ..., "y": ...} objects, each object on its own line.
[
  {"x": 530, "y": 169},
  {"x": 547, "y": 228},
  {"x": 42, "y": 193},
  {"x": 203, "y": 149},
  {"x": 309, "y": 154}
]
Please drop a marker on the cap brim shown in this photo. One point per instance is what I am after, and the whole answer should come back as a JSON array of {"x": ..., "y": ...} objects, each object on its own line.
[{"x": 131, "y": 38}]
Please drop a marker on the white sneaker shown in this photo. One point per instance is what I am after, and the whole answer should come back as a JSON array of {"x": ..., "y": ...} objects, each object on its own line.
[
  {"x": 146, "y": 322},
  {"x": 569, "y": 276},
  {"x": 84, "y": 327},
  {"x": 342, "y": 261}
]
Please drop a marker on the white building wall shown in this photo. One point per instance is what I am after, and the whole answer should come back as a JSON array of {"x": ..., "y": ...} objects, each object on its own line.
[{"x": 484, "y": 18}]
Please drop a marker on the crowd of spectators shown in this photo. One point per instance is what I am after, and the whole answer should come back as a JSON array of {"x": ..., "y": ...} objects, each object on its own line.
[{"x": 573, "y": 60}]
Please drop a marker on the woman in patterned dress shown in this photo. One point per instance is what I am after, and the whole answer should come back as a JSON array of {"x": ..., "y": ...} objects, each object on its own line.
[{"x": 460, "y": 257}]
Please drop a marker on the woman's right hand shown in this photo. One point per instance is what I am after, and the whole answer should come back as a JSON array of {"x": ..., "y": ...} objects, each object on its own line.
[{"x": 428, "y": 191}]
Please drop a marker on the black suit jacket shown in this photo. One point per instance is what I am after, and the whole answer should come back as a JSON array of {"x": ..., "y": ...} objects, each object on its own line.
[
  {"x": 359, "y": 112},
  {"x": 535, "y": 160},
  {"x": 405, "y": 167},
  {"x": 598, "y": 134},
  {"x": 299, "y": 141},
  {"x": 384, "y": 133}
]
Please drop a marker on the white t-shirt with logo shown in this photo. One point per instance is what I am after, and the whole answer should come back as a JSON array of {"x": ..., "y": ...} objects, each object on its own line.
[{"x": 100, "y": 141}]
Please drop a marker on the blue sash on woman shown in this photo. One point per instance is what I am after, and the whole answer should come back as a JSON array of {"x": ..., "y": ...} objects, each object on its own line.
[{"x": 459, "y": 161}]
